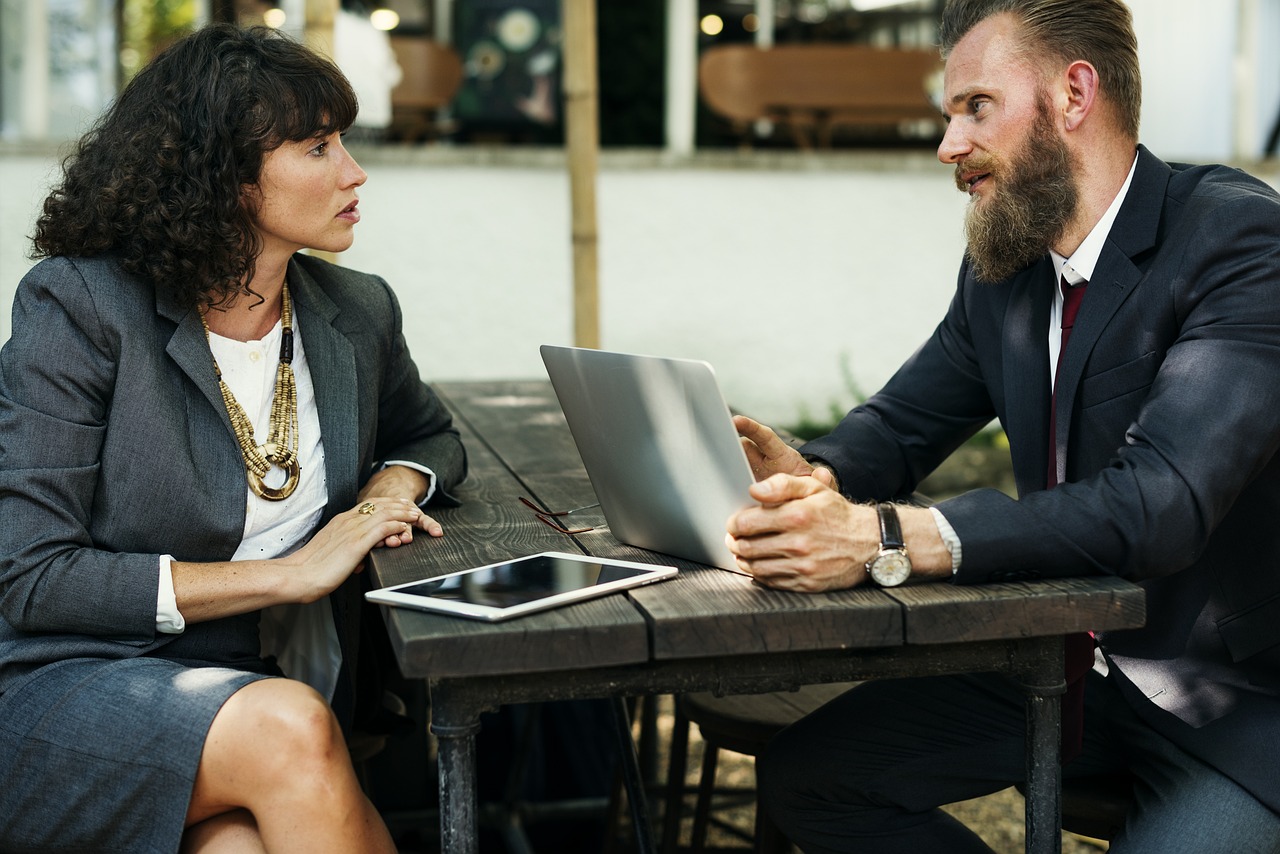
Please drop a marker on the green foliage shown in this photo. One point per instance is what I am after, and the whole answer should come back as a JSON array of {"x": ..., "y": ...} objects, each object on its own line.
[{"x": 810, "y": 427}]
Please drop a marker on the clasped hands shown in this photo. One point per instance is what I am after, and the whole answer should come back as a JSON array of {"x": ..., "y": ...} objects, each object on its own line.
[{"x": 804, "y": 535}]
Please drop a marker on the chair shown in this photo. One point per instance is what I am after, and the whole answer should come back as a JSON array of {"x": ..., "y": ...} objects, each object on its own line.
[
  {"x": 1091, "y": 806},
  {"x": 743, "y": 724},
  {"x": 432, "y": 73}
]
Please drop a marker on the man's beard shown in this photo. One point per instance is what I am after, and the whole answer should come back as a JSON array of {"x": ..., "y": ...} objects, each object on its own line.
[{"x": 1035, "y": 197}]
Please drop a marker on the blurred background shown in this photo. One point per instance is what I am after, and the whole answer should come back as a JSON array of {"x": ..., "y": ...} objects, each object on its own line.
[{"x": 765, "y": 191}]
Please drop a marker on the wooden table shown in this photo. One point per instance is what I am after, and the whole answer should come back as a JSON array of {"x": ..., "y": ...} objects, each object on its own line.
[{"x": 706, "y": 629}]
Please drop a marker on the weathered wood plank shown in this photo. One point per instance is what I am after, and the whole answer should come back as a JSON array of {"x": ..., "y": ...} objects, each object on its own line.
[
  {"x": 522, "y": 424},
  {"x": 492, "y": 525},
  {"x": 950, "y": 613},
  {"x": 703, "y": 612}
]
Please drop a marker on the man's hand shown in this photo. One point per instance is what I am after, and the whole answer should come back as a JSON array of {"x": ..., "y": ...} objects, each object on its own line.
[
  {"x": 769, "y": 455},
  {"x": 408, "y": 483},
  {"x": 804, "y": 536}
]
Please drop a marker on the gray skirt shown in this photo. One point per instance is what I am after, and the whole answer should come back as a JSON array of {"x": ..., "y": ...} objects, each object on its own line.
[{"x": 101, "y": 755}]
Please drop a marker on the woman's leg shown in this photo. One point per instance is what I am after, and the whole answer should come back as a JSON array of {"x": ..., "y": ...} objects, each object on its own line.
[
  {"x": 232, "y": 832},
  {"x": 276, "y": 751}
]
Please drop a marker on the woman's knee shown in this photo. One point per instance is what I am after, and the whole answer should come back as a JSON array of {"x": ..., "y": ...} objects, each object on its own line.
[{"x": 281, "y": 728}]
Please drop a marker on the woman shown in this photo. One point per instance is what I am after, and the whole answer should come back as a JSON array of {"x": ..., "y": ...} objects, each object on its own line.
[{"x": 199, "y": 427}]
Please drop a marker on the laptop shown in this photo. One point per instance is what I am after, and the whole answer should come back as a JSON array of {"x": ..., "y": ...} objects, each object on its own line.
[{"x": 659, "y": 446}]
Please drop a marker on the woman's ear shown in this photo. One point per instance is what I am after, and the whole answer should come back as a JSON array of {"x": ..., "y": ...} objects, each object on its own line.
[{"x": 250, "y": 197}]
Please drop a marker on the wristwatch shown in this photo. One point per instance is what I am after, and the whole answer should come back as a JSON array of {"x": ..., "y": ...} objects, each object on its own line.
[{"x": 891, "y": 566}]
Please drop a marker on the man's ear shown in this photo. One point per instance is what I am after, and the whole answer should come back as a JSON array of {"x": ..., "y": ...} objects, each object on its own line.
[{"x": 1081, "y": 90}]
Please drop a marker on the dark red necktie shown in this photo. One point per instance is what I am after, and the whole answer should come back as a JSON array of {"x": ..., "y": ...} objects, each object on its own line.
[{"x": 1078, "y": 647}]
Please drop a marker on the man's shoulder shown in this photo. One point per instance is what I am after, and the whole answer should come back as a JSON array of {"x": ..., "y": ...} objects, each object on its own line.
[{"x": 1216, "y": 183}]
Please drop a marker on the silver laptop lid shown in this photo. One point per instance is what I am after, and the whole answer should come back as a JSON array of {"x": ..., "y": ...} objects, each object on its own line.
[{"x": 659, "y": 445}]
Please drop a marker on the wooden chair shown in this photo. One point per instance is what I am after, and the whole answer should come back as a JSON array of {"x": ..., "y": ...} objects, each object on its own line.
[
  {"x": 743, "y": 724},
  {"x": 1091, "y": 806},
  {"x": 811, "y": 89},
  {"x": 432, "y": 73}
]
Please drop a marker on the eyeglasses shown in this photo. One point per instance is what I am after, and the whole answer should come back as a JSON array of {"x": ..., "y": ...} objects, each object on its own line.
[{"x": 551, "y": 518}]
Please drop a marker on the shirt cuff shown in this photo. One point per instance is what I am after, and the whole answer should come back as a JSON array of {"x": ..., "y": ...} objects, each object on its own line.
[
  {"x": 169, "y": 620},
  {"x": 431, "y": 477},
  {"x": 949, "y": 538}
]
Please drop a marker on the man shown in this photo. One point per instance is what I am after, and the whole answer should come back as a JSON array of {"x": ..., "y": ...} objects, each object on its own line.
[{"x": 1155, "y": 460}]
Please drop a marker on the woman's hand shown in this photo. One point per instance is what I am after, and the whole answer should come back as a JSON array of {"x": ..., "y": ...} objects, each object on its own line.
[
  {"x": 338, "y": 549},
  {"x": 402, "y": 482}
]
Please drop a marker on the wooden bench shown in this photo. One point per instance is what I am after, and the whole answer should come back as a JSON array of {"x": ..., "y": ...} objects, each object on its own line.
[{"x": 811, "y": 89}]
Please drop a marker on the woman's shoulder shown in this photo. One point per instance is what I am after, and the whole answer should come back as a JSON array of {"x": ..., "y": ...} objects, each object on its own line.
[
  {"x": 98, "y": 280},
  {"x": 341, "y": 290}
]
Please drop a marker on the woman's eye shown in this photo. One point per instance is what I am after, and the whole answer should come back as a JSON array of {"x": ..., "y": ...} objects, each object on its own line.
[{"x": 320, "y": 149}]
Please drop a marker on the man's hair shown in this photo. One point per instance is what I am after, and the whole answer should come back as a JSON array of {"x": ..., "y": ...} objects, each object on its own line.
[
  {"x": 1097, "y": 31},
  {"x": 158, "y": 180}
]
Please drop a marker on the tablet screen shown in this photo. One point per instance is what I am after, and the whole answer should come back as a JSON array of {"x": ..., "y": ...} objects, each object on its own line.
[
  {"x": 521, "y": 586},
  {"x": 519, "y": 581}
]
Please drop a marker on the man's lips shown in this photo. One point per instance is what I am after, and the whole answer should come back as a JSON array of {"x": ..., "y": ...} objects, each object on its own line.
[{"x": 972, "y": 180}]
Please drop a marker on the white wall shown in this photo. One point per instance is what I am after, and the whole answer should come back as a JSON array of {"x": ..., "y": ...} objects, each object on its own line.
[
  {"x": 1211, "y": 87},
  {"x": 774, "y": 276}
]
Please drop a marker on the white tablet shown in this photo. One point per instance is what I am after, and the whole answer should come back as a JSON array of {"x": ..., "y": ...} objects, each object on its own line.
[{"x": 524, "y": 585}]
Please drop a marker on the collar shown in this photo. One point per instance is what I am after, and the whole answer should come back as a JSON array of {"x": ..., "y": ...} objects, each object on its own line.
[{"x": 1080, "y": 266}]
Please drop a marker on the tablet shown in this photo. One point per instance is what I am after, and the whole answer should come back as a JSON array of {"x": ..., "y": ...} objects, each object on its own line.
[{"x": 524, "y": 585}]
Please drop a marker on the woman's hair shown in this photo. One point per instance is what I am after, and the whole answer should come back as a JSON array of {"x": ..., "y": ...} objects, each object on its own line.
[
  {"x": 1098, "y": 31},
  {"x": 158, "y": 180}
]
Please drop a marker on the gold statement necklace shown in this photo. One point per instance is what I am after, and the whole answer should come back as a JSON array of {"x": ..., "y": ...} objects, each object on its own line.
[{"x": 280, "y": 449}]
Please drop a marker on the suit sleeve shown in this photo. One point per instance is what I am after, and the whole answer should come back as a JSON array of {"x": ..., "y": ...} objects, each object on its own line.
[
  {"x": 413, "y": 424},
  {"x": 933, "y": 403},
  {"x": 57, "y": 374}
]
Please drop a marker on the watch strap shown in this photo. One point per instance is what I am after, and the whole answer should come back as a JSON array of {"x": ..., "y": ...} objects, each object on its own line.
[{"x": 890, "y": 527}]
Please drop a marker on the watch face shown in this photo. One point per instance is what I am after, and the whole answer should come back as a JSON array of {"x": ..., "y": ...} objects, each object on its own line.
[{"x": 890, "y": 568}]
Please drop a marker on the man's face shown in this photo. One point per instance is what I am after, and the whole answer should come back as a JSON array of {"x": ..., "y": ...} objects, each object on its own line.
[{"x": 1007, "y": 150}]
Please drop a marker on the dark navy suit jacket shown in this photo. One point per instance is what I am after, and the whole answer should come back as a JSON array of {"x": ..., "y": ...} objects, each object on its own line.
[{"x": 1168, "y": 423}]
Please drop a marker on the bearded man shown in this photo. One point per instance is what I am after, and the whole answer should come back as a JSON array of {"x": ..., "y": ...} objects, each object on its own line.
[{"x": 1120, "y": 317}]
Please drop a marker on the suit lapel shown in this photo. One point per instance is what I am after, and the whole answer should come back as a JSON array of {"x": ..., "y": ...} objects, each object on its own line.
[
  {"x": 1026, "y": 370},
  {"x": 1114, "y": 279},
  {"x": 333, "y": 375},
  {"x": 189, "y": 349}
]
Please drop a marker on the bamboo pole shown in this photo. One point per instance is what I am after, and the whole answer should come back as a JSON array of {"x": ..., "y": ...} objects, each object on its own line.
[
  {"x": 317, "y": 34},
  {"x": 317, "y": 26},
  {"x": 582, "y": 133}
]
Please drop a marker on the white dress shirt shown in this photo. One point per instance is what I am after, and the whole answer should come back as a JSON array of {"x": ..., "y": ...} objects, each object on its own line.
[{"x": 301, "y": 637}]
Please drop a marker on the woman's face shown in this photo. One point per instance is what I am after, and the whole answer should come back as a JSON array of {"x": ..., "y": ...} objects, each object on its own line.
[{"x": 306, "y": 198}]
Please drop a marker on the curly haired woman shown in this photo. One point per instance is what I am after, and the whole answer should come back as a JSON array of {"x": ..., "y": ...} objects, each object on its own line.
[{"x": 202, "y": 434}]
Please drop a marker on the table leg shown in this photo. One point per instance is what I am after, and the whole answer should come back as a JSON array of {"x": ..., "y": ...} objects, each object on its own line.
[
  {"x": 1039, "y": 670},
  {"x": 632, "y": 777},
  {"x": 455, "y": 723}
]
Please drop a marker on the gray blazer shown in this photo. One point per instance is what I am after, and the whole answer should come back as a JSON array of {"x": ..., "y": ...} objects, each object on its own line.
[
  {"x": 115, "y": 447},
  {"x": 1168, "y": 424}
]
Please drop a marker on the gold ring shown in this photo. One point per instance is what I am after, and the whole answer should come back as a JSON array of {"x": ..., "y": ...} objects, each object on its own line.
[{"x": 367, "y": 508}]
